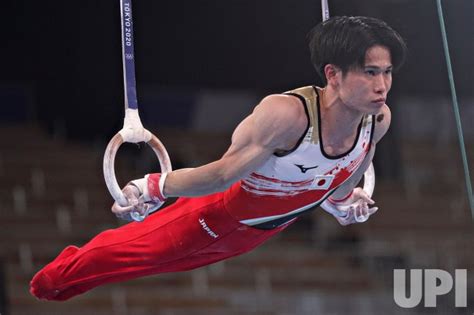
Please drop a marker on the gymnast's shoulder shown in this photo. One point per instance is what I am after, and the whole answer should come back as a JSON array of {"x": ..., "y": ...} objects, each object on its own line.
[
  {"x": 382, "y": 122},
  {"x": 284, "y": 114}
]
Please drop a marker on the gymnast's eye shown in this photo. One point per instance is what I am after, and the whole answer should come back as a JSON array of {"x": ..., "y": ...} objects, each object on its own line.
[{"x": 370, "y": 72}]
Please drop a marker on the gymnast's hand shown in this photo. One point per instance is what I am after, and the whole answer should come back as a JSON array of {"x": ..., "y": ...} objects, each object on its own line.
[
  {"x": 140, "y": 199},
  {"x": 354, "y": 209}
]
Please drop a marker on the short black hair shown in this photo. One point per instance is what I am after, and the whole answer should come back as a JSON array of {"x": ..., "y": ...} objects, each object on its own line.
[{"x": 344, "y": 41}]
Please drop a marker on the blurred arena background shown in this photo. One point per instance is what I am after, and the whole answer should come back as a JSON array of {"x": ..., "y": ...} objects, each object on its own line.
[{"x": 201, "y": 67}]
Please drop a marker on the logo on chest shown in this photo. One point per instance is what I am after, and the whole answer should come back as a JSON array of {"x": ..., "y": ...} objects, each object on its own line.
[{"x": 305, "y": 169}]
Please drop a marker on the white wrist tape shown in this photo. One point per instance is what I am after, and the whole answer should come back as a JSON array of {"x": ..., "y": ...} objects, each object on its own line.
[{"x": 142, "y": 185}]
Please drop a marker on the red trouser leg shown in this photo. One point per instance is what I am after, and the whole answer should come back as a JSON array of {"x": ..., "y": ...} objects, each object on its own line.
[{"x": 191, "y": 233}]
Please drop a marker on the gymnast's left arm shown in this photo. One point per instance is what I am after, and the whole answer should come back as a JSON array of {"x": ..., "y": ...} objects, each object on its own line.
[
  {"x": 349, "y": 194},
  {"x": 275, "y": 124}
]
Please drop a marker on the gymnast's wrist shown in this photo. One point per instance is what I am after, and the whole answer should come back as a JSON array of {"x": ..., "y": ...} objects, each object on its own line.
[{"x": 155, "y": 186}]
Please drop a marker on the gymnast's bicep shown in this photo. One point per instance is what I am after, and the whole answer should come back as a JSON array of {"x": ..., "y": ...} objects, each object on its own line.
[{"x": 276, "y": 124}]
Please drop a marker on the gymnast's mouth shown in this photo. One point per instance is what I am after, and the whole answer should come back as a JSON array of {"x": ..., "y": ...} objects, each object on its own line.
[{"x": 379, "y": 101}]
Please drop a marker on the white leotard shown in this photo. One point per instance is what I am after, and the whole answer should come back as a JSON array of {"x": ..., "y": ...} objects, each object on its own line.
[{"x": 285, "y": 186}]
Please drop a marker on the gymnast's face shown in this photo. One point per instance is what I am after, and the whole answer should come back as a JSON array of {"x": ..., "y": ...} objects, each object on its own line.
[{"x": 365, "y": 89}]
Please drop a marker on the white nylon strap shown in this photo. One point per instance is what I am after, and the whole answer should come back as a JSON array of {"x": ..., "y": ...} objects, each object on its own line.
[{"x": 142, "y": 185}]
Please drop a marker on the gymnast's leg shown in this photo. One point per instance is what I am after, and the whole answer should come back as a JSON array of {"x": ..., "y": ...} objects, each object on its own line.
[{"x": 191, "y": 233}]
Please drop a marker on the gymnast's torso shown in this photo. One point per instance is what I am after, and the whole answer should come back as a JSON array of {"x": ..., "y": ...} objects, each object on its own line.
[{"x": 294, "y": 182}]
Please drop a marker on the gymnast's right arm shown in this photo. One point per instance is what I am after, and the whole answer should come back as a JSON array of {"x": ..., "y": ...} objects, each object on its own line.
[{"x": 275, "y": 124}]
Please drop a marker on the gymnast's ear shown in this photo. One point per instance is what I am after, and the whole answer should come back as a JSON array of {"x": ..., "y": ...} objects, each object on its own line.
[{"x": 333, "y": 74}]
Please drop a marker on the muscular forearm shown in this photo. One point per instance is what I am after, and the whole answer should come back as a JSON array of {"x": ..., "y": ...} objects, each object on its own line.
[
  {"x": 189, "y": 182},
  {"x": 218, "y": 175}
]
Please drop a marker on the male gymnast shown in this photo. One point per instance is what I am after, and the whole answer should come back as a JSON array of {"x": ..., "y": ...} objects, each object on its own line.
[{"x": 295, "y": 150}]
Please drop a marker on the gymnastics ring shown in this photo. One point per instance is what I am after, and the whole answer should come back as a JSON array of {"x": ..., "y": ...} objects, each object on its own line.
[
  {"x": 369, "y": 180},
  {"x": 109, "y": 162},
  {"x": 369, "y": 186}
]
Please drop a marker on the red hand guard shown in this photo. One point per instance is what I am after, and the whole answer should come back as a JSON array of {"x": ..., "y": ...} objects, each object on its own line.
[{"x": 155, "y": 183}]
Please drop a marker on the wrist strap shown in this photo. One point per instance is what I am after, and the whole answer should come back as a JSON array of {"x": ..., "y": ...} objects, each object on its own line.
[
  {"x": 155, "y": 185},
  {"x": 141, "y": 186}
]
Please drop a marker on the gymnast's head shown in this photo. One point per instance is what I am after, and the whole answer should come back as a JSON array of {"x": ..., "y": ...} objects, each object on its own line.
[{"x": 343, "y": 41}]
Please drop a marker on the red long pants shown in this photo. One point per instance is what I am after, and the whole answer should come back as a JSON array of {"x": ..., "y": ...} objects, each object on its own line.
[{"x": 191, "y": 233}]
